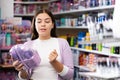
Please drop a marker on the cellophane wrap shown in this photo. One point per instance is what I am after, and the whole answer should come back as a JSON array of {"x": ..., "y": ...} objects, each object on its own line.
[{"x": 27, "y": 56}]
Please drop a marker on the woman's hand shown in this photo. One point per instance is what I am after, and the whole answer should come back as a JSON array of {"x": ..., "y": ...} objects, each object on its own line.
[
  {"x": 18, "y": 66},
  {"x": 53, "y": 55},
  {"x": 56, "y": 64}
]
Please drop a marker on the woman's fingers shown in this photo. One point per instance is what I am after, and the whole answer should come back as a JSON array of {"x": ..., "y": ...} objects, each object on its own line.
[
  {"x": 18, "y": 66},
  {"x": 15, "y": 63},
  {"x": 53, "y": 55}
]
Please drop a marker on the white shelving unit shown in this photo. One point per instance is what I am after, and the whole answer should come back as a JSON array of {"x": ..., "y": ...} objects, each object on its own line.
[
  {"x": 34, "y": 2},
  {"x": 72, "y": 27},
  {"x": 106, "y": 41},
  {"x": 77, "y": 12},
  {"x": 65, "y": 12},
  {"x": 100, "y": 76},
  {"x": 41, "y": 3},
  {"x": 96, "y": 52},
  {"x": 24, "y": 15},
  {"x": 93, "y": 73},
  {"x": 110, "y": 7}
]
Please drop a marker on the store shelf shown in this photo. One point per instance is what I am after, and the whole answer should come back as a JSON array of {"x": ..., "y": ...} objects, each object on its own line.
[
  {"x": 97, "y": 75},
  {"x": 34, "y": 2},
  {"x": 96, "y": 52},
  {"x": 113, "y": 44},
  {"x": 84, "y": 68},
  {"x": 6, "y": 66},
  {"x": 24, "y": 15},
  {"x": 27, "y": 8},
  {"x": 106, "y": 41},
  {"x": 5, "y": 48},
  {"x": 86, "y": 10},
  {"x": 68, "y": 12},
  {"x": 72, "y": 27}
]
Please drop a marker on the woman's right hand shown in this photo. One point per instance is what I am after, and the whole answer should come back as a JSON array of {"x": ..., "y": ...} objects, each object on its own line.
[
  {"x": 20, "y": 68},
  {"x": 17, "y": 65}
]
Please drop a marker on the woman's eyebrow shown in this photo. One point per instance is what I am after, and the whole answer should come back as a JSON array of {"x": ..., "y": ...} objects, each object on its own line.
[
  {"x": 47, "y": 19},
  {"x": 38, "y": 19}
]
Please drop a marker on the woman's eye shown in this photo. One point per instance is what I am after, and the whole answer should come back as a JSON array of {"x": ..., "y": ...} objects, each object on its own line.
[
  {"x": 38, "y": 21},
  {"x": 47, "y": 21}
]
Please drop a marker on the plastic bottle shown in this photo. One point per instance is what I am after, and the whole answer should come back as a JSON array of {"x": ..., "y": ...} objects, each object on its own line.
[
  {"x": 8, "y": 39},
  {"x": 87, "y": 38}
]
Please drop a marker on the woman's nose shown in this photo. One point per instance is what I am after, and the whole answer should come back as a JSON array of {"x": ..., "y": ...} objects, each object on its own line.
[{"x": 43, "y": 24}]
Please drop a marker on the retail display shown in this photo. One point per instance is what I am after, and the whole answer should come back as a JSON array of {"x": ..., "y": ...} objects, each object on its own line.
[
  {"x": 94, "y": 64},
  {"x": 11, "y": 34},
  {"x": 85, "y": 24},
  {"x": 27, "y": 8},
  {"x": 93, "y": 16}
]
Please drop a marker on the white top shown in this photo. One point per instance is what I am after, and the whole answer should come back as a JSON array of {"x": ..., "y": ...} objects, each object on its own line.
[{"x": 45, "y": 70}]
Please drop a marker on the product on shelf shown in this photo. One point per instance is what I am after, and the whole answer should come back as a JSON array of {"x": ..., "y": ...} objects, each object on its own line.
[{"x": 14, "y": 34}]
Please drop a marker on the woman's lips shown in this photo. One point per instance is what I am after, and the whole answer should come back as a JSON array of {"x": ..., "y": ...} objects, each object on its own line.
[{"x": 43, "y": 30}]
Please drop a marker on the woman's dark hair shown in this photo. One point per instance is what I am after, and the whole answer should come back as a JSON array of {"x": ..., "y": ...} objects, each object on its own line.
[{"x": 34, "y": 33}]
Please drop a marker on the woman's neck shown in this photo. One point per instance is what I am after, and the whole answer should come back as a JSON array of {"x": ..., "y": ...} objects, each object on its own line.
[{"x": 44, "y": 38}]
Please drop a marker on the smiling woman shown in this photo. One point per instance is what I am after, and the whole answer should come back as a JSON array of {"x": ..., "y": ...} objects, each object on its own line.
[{"x": 55, "y": 53}]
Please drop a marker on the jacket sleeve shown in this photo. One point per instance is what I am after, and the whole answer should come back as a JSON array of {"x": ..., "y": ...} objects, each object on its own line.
[{"x": 67, "y": 59}]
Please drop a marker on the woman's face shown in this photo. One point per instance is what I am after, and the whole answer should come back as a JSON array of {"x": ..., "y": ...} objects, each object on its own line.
[{"x": 43, "y": 24}]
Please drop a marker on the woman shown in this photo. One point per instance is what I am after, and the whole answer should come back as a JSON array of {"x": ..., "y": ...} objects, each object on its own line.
[{"x": 55, "y": 54}]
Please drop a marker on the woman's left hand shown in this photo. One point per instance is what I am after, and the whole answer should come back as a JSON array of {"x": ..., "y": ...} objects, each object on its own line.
[{"x": 53, "y": 55}]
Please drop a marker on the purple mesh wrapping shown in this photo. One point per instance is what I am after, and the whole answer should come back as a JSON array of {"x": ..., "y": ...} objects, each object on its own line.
[{"x": 29, "y": 57}]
